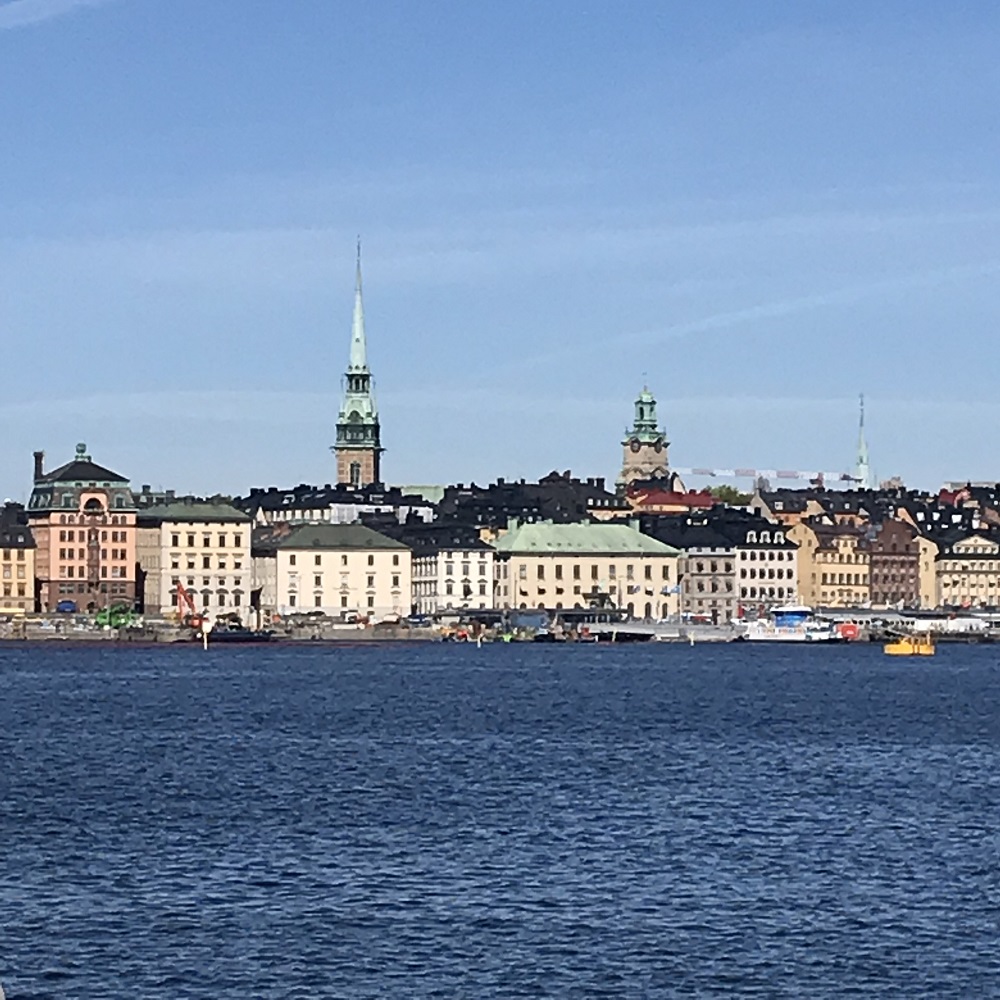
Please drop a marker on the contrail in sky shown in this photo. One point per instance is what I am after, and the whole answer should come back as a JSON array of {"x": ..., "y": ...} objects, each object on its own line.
[{"x": 22, "y": 13}]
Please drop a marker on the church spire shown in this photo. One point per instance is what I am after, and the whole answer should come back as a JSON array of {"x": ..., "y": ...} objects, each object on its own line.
[
  {"x": 863, "y": 472},
  {"x": 359, "y": 347}
]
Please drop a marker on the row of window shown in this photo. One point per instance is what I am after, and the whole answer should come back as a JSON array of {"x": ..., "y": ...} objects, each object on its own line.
[
  {"x": 69, "y": 536},
  {"x": 318, "y": 581},
  {"x": 7, "y": 555},
  {"x": 223, "y": 599},
  {"x": 206, "y": 540},
  {"x": 87, "y": 588},
  {"x": 768, "y": 556},
  {"x": 318, "y": 601},
  {"x": 595, "y": 572},
  {"x": 8, "y": 572},
  {"x": 781, "y": 593},
  {"x": 318, "y": 559},
  {"x": 84, "y": 519},
  {"x": 769, "y": 574},
  {"x": 116, "y": 554},
  {"x": 21, "y": 590},
  {"x": 765, "y": 537},
  {"x": 208, "y": 582},
  {"x": 847, "y": 579},
  {"x": 69, "y": 572},
  {"x": 206, "y": 563}
]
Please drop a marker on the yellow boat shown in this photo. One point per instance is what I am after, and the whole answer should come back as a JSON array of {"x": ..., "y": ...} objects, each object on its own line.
[{"x": 910, "y": 645}]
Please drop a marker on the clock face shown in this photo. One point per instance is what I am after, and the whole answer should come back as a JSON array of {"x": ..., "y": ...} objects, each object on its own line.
[{"x": 634, "y": 444}]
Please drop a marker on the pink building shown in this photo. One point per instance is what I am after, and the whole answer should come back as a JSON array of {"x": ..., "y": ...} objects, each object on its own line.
[{"x": 82, "y": 517}]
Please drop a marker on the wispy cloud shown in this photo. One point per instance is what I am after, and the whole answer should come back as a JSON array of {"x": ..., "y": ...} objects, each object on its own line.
[{"x": 22, "y": 13}]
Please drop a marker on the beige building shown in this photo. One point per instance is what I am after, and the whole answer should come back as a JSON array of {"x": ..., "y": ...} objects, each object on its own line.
[
  {"x": 968, "y": 572},
  {"x": 833, "y": 564},
  {"x": 927, "y": 573},
  {"x": 546, "y": 565},
  {"x": 202, "y": 545},
  {"x": 337, "y": 569},
  {"x": 17, "y": 562}
]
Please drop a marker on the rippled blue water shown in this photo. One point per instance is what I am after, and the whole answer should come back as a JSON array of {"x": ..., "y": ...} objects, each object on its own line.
[{"x": 528, "y": 821}]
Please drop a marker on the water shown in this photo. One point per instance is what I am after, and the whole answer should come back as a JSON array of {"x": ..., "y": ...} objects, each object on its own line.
[{"x": 506, "y": 822}]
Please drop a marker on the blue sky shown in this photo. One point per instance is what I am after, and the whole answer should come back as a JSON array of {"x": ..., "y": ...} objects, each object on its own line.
[{"x": 759, "y": 208}]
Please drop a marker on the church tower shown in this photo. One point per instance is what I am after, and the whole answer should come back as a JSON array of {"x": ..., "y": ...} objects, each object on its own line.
[
  {"x": 644, "y": 449},
  {"x": 863, "y": 469},
  {"x": 359, "y": 446}
]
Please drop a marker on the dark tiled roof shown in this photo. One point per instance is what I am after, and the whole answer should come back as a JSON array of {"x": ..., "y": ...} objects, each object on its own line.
[
  {"x": 200, "y": 511},
  {"x": 82, "y": 471},
  {"x": 336, "y": 536}
]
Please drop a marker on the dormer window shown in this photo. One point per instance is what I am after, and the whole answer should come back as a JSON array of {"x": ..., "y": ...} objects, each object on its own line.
[
  {"x": 751, "y": 537},
  {"x": 778, "y": 537},
  {"x": 765, "y": 536}
]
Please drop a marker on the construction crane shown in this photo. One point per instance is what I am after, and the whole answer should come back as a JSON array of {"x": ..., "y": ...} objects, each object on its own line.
[
  {"x": 816, "y": 478},
  {"x": 192, "y": 619}
]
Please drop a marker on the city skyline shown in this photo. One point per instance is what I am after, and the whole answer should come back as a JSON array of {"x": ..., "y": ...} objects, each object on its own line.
[{"x": 758, "y": 213}]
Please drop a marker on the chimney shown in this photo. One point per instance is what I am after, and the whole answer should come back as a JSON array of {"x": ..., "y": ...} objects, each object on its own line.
[{"x": 39, "y": 458}]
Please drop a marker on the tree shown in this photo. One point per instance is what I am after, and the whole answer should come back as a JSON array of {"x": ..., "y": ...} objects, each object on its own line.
[{"x": 730, "y": 495}]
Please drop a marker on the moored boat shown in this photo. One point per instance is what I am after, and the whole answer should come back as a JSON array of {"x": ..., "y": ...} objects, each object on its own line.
[
  {"x": 792, "y": 623},
  {"x": 910, "y": 645}
]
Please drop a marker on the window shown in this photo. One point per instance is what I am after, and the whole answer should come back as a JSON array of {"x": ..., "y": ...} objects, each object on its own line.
[
  {"x": 343, "y": 600},
  {"x": 206, "y": 562},
  {"x": 612, "y": 571},
  {"x": 541, "y": 571},
  {"x": 222, "y": 541},
  {"x": 318, "y": 601},
  {"x": 395, "y": 560},
  {"x": 206, "y": 541},
  {"x": 371, "y": 601},
  {"x": 371, "y": 560},
  {"x": 449, "y": 588},
  {"x": 648, "y": 572},
  {"x": 291, "y": 559},
  {"x": 593, "y": 573},
  {"x": 395, "y": 581},
  {"x": 317, "y": 581},
  {"x": 291, "y": 600},
  {"x": 576, "y": 571},
  {"x": 630, "y": 572},
  {"x": 371, "y": 582},
  {"x": 343, "y": 560},
  {"x": 237, "y": 541}
]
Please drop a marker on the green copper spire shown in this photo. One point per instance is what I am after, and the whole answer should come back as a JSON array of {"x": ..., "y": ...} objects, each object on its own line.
[
  {"x": 359, "y": 347},
  {"x": 863, "y": 471}
]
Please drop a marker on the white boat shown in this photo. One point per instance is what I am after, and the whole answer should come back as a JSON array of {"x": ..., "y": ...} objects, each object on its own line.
[{"x": 791, "y": 623}]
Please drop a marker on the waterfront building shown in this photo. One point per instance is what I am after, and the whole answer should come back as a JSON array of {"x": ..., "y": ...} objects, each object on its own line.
[
  {"x": 654, "y": 499},
  {"x": 894, "y": 565},
  {"x": 453, "y": 568},
  {"x": 82, "y": 517},
  {"x": 17, "y": 561},
  {"x": 204, "y": 545},
  {"x": 336, "y": 569},
  {"x": 554, "y": 566},
  {"x": 927, "y": 572},
  {"x": 838, "y": 569},
  {"x": 967, "y": 568},
  {"x": 644, "y": 448},
  {"x": 358, "y": 448},
  {"x": 706, "y": 567}
]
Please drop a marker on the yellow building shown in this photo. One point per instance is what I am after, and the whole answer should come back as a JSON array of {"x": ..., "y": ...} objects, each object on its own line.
[
  {"x": 927, "y": 573},
  {"x": 546, "y": 565},
  {"x": 968, "y": 572},
  {"x": 833, "y": 564},
  {"x": 17, "y": 562}
]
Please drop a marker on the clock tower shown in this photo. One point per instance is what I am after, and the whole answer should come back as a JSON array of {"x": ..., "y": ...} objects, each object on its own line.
[{"x": 644, "y": 449}]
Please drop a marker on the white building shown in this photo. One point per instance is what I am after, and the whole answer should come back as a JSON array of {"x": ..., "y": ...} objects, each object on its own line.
[
  {"x": 452, "y": 578},
  {"x": 203, "y": 545},
  {"x": 337, "y": 569}
]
